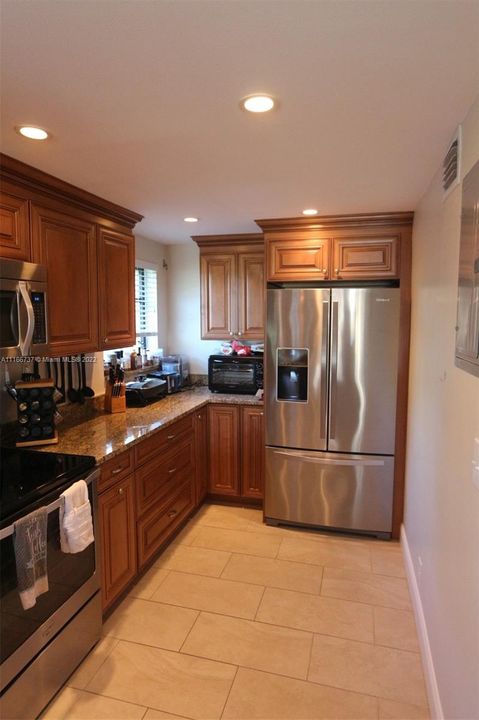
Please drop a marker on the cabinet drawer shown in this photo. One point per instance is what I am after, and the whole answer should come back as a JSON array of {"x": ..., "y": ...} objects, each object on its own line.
[
  {"x": 162, "y": 475},
  {"x": 164, "y": 439},
  {"x": 115, "y": 469},
  {"x": 156, "y": 527},
  {"x": 298, "y": 258}
]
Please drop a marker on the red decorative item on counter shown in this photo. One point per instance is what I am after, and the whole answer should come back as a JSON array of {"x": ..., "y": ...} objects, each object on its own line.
[{"x": 240, "y": 349}]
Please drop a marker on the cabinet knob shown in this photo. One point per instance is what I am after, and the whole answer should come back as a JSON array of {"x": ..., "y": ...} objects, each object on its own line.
[
  {"x": 261, "y": 413},
  {"x": 240, "y": 334},
  {"x": 231, "y": 334},
  {"x": 105, "y": 340},
  {"x": 324, "y": 270},
  {"x": 120, "y": 491},
  {"x": 336, "y": 270}
]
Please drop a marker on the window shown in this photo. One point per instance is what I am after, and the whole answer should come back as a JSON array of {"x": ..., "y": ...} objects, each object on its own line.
[{"x": 146, "y": 306}]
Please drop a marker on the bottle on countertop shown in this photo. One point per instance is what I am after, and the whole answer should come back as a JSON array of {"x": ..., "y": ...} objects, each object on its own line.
[
  {"x": 133, "y": 360},
  {"x": 139, "y": 361}
]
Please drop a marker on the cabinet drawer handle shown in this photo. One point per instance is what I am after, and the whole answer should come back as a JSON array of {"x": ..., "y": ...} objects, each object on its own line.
[
  {"x": 170, "y": 437},
  {"x": 120, "y": 491},
  {"x": 172, "y": 471},
  {"x": 172, "y": 513},
  {"x": 116, "y": 471}
]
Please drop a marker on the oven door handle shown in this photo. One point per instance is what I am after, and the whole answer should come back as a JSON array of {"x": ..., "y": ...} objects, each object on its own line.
[
  {"x": 25, "y": 342},
  {"x": 55, "y": 505}
]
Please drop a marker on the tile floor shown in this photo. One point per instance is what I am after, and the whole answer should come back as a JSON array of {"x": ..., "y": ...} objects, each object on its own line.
[{"x": 241, "y": 621}]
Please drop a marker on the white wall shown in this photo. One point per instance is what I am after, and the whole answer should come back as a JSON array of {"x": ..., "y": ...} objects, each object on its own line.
[
  {"x": 442, "y": 504},
  {"x": 184, "y": 325}
]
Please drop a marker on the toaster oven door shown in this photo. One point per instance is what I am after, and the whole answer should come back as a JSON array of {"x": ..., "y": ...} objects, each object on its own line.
[{"x": 232, "y": 375}]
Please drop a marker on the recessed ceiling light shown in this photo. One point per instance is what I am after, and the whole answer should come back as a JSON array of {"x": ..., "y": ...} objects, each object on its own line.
[
  {"x": 258, "y": 103},
  {"x": 310, "y": 211},
  {"x": 32, "y": 133},
  {"x": 191, "y": 219}
]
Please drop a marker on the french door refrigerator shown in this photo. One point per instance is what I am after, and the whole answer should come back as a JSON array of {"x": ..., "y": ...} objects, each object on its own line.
[{"x": 331, "y": 379}]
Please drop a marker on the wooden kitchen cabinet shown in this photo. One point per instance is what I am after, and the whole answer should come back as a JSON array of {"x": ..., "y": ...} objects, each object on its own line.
[
  {"x": 201, "y": 454},
  {"x": 87, "y": 246},
  {"x": 66, "y": 245},
  {"x": 116, "y": 508},
  {"x": 236, "y": 451},
  {"x": 252, "y": 452},
  {"x": 224, "y": 450},
  {"x": 232, "y": 286},
  {"x": 336, "y": 247},
  {"x": 116, "y": 289},
  {"x": 14, "y": 226}
]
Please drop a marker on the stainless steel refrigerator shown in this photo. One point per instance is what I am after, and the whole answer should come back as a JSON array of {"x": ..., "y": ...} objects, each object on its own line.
[{"x": 331, "y": 380}]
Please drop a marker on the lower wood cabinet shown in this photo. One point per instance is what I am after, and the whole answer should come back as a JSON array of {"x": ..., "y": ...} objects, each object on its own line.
[
  {"x": 236, "y": 450},
  {"x": 116, "y": 508}
]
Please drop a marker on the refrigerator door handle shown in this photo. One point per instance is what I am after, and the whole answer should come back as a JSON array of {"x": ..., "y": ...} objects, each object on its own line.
[
  {"x": 324, "y": 369},
  {"x": 373, "y": 462},
  {"x": 334, "y": 369}
]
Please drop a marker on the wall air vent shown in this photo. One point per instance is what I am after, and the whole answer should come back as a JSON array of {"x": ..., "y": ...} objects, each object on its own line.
[{"x": 451, "y": 165}]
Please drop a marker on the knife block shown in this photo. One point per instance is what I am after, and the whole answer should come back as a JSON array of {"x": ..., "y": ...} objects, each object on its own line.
[{"x": 115, "y": 403}]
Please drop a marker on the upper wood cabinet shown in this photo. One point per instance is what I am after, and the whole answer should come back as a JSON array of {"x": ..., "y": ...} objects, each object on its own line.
[
  {"x": 66, "y": 245},
  {"x": 336, "y": 247},
  {"x": 116, "y": 289},
  {"x": 87, "y": 246},
  {"x": 232, "y": 286},
  {"x": 14, "y": 227}
]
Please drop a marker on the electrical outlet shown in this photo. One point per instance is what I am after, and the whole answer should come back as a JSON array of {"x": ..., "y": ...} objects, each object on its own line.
[
  {"x": 475, "y": 464},
  {"x": 419, "y": 567}
]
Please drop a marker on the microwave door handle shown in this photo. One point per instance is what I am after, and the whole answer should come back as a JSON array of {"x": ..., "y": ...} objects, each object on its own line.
[{"x": 25, "y": 342}]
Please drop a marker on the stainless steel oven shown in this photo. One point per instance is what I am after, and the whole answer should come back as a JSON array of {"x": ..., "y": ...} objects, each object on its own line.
[
  {"x": 41, "y": 647},
  {"x": 23, "y": 309}
]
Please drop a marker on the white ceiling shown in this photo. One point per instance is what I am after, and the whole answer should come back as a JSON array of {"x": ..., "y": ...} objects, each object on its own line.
[{"x": 142, "y": 100}]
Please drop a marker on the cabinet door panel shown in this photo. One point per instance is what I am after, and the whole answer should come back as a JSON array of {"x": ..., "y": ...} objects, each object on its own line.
[
  {"x": 14, "y": 227},
  {"x": 365, "y": 257},
  {"x": 116, "y": 254},
  {"x": 218, "y": 296},
  {"x": 224, "y": 471},
  {"x": 118, "y": 539},
  {"x": 251, "y": 295},
  {"x": 201, "y": 454},
  {"x": 67, "y": 246},
  {"x": 298, "y": 258},
  {"x": 252, "y": 452}
]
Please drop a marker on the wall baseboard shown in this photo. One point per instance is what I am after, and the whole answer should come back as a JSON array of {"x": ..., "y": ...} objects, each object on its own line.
[{"x": 434, "y": 698}]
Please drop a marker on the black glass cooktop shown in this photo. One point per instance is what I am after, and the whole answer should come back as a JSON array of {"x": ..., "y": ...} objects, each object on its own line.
[{"x": 28, "y": 476}]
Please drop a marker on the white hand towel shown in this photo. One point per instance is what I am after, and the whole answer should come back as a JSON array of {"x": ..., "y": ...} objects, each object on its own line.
[
  {"x": 30, "y": 545},
  {"x": 76, "y": 525}
]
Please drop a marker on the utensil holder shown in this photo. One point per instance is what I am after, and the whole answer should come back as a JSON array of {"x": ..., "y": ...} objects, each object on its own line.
[
  {"x": 115, "y": 403},
  {"x": 36, "y": 413}
]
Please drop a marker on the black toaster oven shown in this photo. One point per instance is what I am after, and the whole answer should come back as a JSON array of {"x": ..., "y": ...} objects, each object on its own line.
[{"x": 242, "y": 374}]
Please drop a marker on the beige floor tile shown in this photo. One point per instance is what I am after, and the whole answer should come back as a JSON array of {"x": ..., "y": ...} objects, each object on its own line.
[
  {"x": 371, "y": 669},
  {"x": 91, "y": 663},
  {"x": 341, "y": 618},
  {"x": 328, "y": 553},
  {"x": 395, "y": 628},
  {"x": 388, "y": 561},
  {"x": 274, "y": 573},
  {"x": 150, "y": 623},
  {"x": 216, "y": 595},
  {"x": 73, "y": 704},
  {"x": 187, "y": 535},
  {"x": 149, "y": 583},
  {"x": 221, "y": 516},
  {"x": 199, "y": 561},
  {"x": 163, "y": 680},
  {"x": 260, "y": 696},
  {"x": 250, "y": 644},
  {"x": 366, "y": 587},
  {"x": 248, "y": 543},
  {"x": 159, "y": 715},
  {"x": 390, "y": 710}
]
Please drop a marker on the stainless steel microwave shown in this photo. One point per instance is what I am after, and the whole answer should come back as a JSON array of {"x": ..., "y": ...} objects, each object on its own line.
[
  {"x": 241, "y": 374},
  {"x": 23, "y": 309}
]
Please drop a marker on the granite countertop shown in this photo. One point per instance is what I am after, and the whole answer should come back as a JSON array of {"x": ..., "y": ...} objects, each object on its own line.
[{"x": 104, "y": 435}]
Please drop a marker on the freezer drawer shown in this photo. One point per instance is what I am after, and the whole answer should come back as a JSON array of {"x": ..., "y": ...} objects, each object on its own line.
[{"x": 332, "y": 490}]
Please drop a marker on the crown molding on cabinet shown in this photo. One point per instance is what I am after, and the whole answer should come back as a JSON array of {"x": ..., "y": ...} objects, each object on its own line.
[
  {"x": 320, "y": 222},
  {"x": 226, "y": 240}
]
